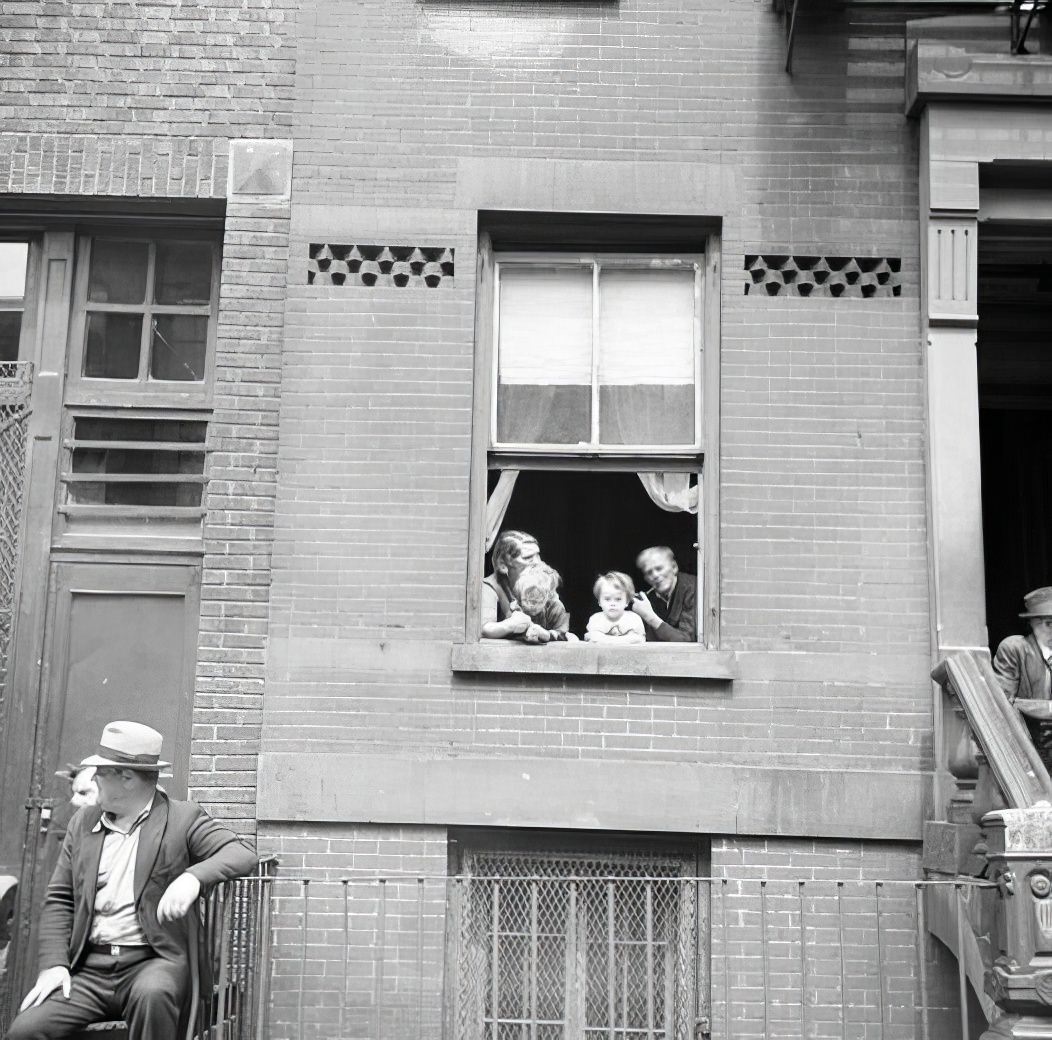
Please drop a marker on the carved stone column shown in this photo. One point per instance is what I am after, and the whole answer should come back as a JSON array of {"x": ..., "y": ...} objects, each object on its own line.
[{"x": 1020, "y": 978}]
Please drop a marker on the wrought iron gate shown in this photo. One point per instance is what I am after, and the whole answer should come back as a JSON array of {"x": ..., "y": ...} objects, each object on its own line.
[{"x": 16, "y": 379}]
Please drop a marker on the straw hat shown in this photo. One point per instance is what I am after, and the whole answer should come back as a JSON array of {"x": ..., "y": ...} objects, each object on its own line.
[{"x": 130, "y": 745}]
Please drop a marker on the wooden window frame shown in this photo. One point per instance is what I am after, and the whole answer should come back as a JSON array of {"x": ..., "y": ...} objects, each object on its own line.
[
  {"x": 701, "y": 659},
  {"x": 143, "y": 390}
]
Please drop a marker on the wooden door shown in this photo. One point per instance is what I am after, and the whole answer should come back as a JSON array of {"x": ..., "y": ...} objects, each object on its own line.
[{"x": 120, "y": 643}]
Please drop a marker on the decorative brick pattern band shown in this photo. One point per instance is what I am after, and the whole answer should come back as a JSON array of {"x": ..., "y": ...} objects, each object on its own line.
[
  {"x": 379, "y": 265},
  {"x": 857, "y": 276}
]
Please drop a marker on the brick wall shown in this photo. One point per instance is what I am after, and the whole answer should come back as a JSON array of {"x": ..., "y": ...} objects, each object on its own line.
[
  {"x": 169, "y": 68},
  {"x": 365, "y": 957},
  {"x": 242, "y": 476},
  {"x": 350, "y": 947},
  {"x": 851, "y": 929},
  {"x": 134, "y": 101},
  {"x": 822, "y": 496}
]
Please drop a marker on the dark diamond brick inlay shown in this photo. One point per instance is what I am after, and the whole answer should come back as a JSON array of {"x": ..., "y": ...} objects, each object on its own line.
[
  {"x": 861, "y": 277},
  {"x": 402, "y": 266}
]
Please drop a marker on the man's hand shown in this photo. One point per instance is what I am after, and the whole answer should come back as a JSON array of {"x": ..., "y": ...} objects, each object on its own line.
[
  {"x": 48, "y": 981},
  {"x": 178, "y": 897},
  {"x": 644, "y": 608}
]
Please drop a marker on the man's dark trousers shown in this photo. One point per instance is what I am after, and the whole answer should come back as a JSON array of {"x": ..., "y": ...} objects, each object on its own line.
[{"x": 147, "y": 993}]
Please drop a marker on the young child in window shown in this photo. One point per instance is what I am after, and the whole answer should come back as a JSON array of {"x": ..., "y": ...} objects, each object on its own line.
[
  {"x": 536, "y": 594},
  {"x": 615, "y": 623}
]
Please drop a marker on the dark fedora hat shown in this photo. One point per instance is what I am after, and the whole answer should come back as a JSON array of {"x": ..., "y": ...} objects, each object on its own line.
[{"x": 1038, "y": 603}]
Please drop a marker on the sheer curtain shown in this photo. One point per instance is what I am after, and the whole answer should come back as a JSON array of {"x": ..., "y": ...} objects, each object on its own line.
[
  {"x": 671, "y": 492},
  {"x": 497, "y": 505}
]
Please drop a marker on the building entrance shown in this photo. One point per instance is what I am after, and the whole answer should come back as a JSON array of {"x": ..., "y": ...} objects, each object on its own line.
[{"x": 1015, "y": 416}]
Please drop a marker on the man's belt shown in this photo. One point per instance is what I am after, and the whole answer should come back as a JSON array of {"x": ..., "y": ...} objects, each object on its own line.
[{"x": 116, "y": 950}]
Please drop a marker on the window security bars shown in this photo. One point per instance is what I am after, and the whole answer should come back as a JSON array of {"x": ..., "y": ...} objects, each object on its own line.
[
  {"x": 16, "y": 381},
  {"x": 619, "y": 957}
]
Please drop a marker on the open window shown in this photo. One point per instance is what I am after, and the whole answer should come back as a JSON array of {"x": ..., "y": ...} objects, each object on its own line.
[{"x": 597, "y": 402}]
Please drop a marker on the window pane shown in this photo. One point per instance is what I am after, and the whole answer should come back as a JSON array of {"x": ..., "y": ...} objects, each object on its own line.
[
  {"x": 111, "y": 350},
  {"x": 646, "y": 357},
  {"x": 179, "y": 342},
  {"x": 118, "y": 271},
  {"x": 544, "y": 355},
  {"x": 13, "y": 256},
  {"x": 10, "y": 330},
  {"x": 184, "y": 273}
]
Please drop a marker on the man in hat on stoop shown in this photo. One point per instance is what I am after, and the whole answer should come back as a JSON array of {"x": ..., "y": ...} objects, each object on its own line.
[
  {"x": 1023, "y": 665},
  {"x": 1022, "y": 662},
  {"x": 115, "y": 930}
]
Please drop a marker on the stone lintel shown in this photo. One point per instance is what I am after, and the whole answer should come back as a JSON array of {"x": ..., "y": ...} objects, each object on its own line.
[
  {"x": 938, "y": 70},
  {"x": 684, "y": 797}
]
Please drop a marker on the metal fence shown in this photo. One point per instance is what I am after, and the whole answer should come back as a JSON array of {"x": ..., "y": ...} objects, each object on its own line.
[{"x": 584, "y": 958}]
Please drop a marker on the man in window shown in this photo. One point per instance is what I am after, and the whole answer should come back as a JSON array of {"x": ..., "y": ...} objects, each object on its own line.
[{"x": 669, "y": 611}]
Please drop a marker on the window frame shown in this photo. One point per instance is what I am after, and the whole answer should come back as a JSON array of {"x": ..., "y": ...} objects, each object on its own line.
[
  {"x": 702, "y": 658},
  {"x": 30, "y": 292},
  {"x": 141, "y": 391}
]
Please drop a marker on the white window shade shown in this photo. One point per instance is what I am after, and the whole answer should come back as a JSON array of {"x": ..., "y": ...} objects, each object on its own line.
[
  {"x": 544, "y": 355},
  {"x": 633, "y": 353},
  {"x": 647, "y": 360}
]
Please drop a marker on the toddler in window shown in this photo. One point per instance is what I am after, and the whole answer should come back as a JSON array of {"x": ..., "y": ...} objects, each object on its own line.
[
  {"x": 615, "y": 623},
  {"x": 536, "y": 595}
]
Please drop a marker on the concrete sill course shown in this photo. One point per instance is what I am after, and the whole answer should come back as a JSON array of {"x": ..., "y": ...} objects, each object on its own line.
[{"x": 653, "y": 660}]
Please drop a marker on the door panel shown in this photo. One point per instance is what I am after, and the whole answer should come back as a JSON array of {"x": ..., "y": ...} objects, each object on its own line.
[{"x": 120, "y": 643}]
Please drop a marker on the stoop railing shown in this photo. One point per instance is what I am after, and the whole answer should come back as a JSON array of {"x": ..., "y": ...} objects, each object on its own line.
[{"x": 567, "y": 958}]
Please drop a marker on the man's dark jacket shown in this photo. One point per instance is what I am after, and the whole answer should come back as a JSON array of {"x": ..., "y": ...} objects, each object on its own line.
[
  {"x": 679, "y": 621},
  {"x": 1021, "y": 670},
  {"x": 176, "y": 838}
]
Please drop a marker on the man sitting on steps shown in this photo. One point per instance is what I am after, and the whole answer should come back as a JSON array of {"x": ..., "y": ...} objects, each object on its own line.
[{"x": 115, "y": 929}]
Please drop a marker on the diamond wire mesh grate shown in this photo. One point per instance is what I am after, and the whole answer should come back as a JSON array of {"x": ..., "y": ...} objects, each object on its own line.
[
  {"x": 16, "y": 380},
  {"x": 565, "y": 947}
]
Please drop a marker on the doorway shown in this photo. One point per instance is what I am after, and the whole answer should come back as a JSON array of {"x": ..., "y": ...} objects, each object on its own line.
[{"x": 1014, "y": 347}]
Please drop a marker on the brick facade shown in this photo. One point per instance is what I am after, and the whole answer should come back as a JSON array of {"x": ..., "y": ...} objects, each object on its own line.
[
  {"x": 126, "y": 103},
  {"x": 336, "y": 541}
]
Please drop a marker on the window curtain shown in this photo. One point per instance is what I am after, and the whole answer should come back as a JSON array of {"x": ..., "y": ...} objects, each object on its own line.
[
  {"x": 671, "y": 492},
  {"x": 497, "y": 506}
]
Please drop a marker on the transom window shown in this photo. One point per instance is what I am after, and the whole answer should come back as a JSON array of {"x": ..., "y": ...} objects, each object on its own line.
[{"x": 146, "y": 313}]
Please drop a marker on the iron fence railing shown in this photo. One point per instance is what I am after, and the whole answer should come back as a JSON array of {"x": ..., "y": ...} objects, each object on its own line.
[{"x": 592, "y": 958}]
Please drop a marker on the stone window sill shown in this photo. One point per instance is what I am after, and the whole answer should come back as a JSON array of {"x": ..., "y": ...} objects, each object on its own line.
[{"x": 660, "y": 661}]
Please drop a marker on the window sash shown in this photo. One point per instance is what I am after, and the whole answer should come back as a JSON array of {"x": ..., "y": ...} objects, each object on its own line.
[
  {"x": 144, "y": 387},
  {"x": 597, "y": 263}
]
